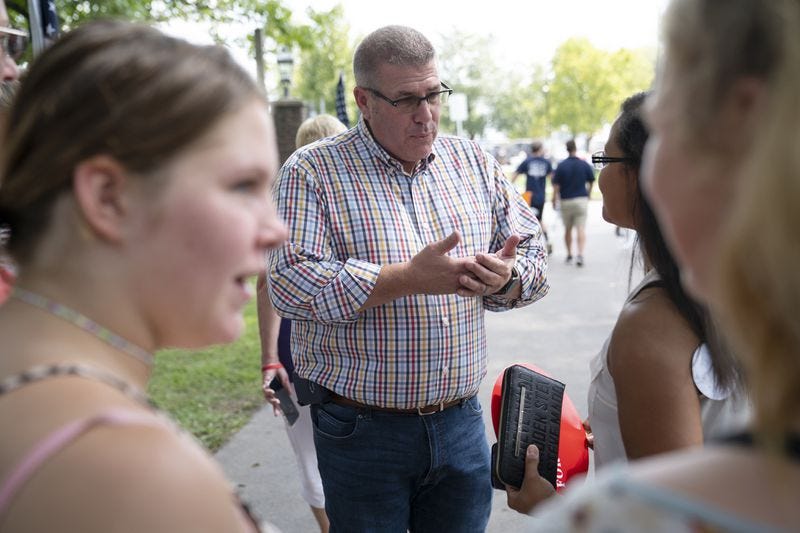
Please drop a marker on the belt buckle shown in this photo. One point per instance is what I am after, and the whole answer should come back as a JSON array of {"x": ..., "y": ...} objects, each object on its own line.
[{"x": 420, "y": 411}]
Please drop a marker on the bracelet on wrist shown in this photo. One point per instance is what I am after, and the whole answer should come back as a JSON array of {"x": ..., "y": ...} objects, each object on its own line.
[{"x": 271, "y": 366}]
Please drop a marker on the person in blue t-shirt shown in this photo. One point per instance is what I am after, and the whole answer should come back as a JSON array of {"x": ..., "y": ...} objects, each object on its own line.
[
  {"x": 536, "y": 169},
  {"x": 570, "y": 189}
]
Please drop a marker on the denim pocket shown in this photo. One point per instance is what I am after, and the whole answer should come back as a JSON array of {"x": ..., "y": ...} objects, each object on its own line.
[
  {"x": 474, "y": 405},
  {"x": 334, "y": 421}
]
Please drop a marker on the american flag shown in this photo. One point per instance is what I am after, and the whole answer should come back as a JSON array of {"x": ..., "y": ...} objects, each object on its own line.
[
  {"x": 49, "y": 19},
  {"x": 341, "y": 106},
  {"x": 44, "y": 25}
]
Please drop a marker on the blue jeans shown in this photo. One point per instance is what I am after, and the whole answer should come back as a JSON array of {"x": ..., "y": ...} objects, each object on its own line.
[{"x": 395, "y": 472}]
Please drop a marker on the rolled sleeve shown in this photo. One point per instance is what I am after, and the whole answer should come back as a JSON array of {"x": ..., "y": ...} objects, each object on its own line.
[
  {"x": 345, "y": 294},
  {"x": 306, "y": 280},
  {"x": 323, "y": 291}
]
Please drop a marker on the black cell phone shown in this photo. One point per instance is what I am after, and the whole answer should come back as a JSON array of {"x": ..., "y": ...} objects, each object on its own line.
[{"x": 288, "y": 407}]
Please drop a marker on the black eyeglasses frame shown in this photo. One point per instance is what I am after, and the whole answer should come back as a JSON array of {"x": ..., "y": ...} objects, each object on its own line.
[
  {"x": 417, "y": 100},
  {"x": 600, "y": 159}
]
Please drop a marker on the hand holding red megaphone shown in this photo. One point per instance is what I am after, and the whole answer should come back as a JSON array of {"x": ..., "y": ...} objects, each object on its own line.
[{"x": 573, "y": 450}]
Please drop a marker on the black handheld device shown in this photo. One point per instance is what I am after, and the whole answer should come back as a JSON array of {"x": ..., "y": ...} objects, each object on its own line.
[{"x": 288, "y": 407}]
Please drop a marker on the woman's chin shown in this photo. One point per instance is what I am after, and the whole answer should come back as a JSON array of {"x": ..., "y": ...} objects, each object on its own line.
[
  {"x": 220, "y": 333},
  {"x": 232, "y": 330}
]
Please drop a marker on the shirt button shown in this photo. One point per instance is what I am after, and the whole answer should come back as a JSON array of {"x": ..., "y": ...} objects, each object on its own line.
[{"x": 445, "y": 321}]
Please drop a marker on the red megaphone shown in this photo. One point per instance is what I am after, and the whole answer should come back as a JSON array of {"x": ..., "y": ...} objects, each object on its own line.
[
  {"x": 6, "y": 283},
  {"x": 573, "y": 448}
]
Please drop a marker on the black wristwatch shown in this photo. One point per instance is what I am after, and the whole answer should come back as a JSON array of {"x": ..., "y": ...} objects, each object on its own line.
[{"x": 512, "y": 283}]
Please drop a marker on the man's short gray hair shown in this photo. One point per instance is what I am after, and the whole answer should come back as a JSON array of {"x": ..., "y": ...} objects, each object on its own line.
[{"x": 393, "y": 45}]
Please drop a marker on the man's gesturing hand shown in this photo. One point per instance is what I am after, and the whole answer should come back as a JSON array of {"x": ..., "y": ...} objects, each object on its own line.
[
  {"x": 432, "y": 271},
  {"x": 489, "y": 272}
]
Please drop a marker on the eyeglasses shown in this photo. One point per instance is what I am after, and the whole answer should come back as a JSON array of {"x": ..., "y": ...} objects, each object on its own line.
[
  {"x": 13, "y": 42},
  {"x": 600, "y": 159},
  {"x": 409, "y": 104}
]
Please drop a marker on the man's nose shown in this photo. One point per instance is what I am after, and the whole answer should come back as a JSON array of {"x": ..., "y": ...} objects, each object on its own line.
[
  {"x": 424, "y": 111},
  {"x": 10, "y": 70}
]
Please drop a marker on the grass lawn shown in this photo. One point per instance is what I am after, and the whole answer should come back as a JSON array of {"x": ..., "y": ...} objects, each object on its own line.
[{"x": 211, "y": 392}]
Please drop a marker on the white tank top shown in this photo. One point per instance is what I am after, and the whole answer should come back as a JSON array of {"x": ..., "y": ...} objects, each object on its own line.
[{"x": 721, "y": 411}]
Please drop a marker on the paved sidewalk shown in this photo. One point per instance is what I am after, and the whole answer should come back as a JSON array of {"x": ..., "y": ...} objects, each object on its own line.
[{"x": 560, "y": 333}]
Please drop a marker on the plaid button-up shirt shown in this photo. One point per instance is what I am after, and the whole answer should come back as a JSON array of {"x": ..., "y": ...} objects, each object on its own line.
[{"x": 350, "y": 208}]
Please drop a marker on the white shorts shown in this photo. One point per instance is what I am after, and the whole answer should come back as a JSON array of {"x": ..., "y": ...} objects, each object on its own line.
[{"x": 301, "y": 435}]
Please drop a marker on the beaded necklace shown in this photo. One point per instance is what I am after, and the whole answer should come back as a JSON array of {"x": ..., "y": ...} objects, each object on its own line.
[{"x": 85, "y": 323}]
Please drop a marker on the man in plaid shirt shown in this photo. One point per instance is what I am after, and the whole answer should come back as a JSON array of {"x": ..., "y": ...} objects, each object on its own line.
[{"x": 399, "y": 240}]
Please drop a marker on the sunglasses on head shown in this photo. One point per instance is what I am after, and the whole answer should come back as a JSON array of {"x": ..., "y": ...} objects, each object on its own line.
[{"x": 13, "y": 42}]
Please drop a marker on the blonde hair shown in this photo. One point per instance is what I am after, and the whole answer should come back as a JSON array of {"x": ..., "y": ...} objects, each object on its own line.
[
  {"x": 760, "y": 264},
  {"x": 712, "y": 43},
  {"x": 758, "y": 281},
  {"x": 317, "y": 127}
]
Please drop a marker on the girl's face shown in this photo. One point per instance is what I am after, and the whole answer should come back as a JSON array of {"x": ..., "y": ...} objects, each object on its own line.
[
  {"x": 689, "y": 186},
  {"x": 204, "y": 232},
  {"x": 618, "y": 183}
]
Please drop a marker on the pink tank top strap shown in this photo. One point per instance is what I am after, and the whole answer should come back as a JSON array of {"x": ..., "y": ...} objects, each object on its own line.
[{"x": 60, "y": 439}]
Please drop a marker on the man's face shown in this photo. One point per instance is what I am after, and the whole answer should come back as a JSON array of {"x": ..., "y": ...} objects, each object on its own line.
[
  {"x": 406, "y": 136},
  {"x": 8, "y": 67}
]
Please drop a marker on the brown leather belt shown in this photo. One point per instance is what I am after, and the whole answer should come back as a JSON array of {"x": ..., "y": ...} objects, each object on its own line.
[{"x": 422, "y": 411}]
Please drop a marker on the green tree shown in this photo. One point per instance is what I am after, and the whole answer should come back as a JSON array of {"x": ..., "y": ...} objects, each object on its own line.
[
  {"x": 321, "y": 63},
  {"x": 632, "y": 71},
  {"x": 581, "y": 96},
  {"x": 72, "y": 14},
  {"x": 467, "y": 66},
  {"x": 520, "y": 106},
  {"x": 220, "y": 16},
  {"x": 588, "y": 84},
  {"x": 75, "y": 12},
  {"x": 272, "y": 15}
]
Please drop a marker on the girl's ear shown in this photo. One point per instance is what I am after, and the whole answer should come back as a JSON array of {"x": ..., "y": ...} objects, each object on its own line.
[{"x": 100, "y": 185}]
